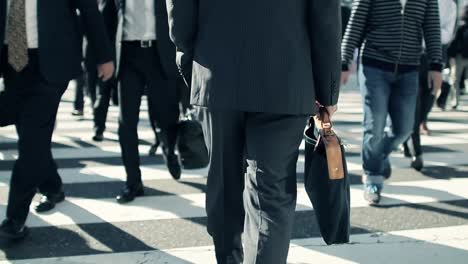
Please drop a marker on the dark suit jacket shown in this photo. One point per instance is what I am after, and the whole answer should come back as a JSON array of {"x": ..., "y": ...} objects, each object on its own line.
[
  {"x": 109, "y": 13},
  {"x": 273, "y": 56},
  {"x": 165, "y": 46},
  {"x": 60, "y": 37}
]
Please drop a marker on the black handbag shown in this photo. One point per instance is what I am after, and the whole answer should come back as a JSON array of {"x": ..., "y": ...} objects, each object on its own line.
[
  {"x": 326, "y": 179},
  {"x": 191, "y": 143}
]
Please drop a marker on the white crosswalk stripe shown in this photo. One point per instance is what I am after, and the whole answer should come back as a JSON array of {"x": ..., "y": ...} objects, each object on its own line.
[
  {"x": 423, "y": 217},
  {"x": 192, "y": 205}
]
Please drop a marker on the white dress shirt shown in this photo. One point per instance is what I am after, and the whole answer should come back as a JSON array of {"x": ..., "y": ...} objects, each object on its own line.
[
  {"x": 31, "y": 23},
  {"x": 448, "y": 19},
  {"x": 139, "y": 20}
]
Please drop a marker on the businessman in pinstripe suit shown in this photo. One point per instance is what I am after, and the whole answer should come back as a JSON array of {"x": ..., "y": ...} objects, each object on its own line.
[{"x": 256, "y": 70}]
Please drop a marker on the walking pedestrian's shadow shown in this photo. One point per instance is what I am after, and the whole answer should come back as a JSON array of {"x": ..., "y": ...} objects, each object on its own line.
[
  {"x": 371, "y": 241},
  {"x": 446, "y": 173},
  {"x": 92, "y": 235},
  {"x": 383, "y": 248},
  {"x": 38, "y": 244},
  {"x": 431, "y": 196}
]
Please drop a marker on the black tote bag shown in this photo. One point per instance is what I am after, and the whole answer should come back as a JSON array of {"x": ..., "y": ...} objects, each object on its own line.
[
  {"x": 326, "y": 180},
  {"x": 191, "y": 143}
]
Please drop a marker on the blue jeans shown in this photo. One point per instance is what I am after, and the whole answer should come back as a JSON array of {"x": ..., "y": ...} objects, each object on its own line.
[{"x": 385, "y": 94}]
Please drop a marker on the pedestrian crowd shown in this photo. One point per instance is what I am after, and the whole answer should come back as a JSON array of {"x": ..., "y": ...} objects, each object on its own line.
[{"x": 252, "y": 81}]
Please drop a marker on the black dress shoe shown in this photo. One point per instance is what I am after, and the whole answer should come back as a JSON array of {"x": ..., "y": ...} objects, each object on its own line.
[
  {"x": 98, "y": 137},
  {"x": 153, "y": 149},
  {"x": 128, "y": 194},
  {"x": 49, "y": 200},
  {"x": 173, "y": 165},
  {"x": 417, "y": 163},
  {"x": 11, "y": 230},
  {"x": 77, "y": 113}
]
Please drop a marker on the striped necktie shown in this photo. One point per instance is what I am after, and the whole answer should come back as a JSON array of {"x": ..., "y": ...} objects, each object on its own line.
[{"x": 16, "y": 34}]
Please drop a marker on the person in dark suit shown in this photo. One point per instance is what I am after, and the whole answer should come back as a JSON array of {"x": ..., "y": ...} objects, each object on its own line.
[
  {"x": 258, "y": 69},
  {"x": 42, "y": 53},
  {"x": 100, "y": 91},
  {"x": 145, "y": 65}
]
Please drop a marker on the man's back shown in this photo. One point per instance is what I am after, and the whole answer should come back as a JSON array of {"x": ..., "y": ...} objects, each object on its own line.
[{"x": 256, "y": 56}]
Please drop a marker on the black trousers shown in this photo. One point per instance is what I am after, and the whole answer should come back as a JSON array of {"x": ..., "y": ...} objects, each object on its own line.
[
  {"x": 183, "y": 97},
  {"x": 253, "y": 160},
  {"x": 35, "y": 168},
  {"x": 140, "y": 69},
  {"x": 445, "y": 90},
  {"x": 423, "y": 107},
  {"x": 100, "y": 94},
  {"x": 78, "y": 103}
]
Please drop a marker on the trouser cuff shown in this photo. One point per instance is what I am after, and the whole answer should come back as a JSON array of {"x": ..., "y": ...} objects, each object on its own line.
[{"x": 371, "y": 179}]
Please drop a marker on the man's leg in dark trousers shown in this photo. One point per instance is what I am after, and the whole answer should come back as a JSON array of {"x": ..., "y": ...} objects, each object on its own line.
[
  {"x": 163, "y": 104},
  {"x": 154, "y": 127},
  {"x": 101, "y": 106},
  {"x": 78, "y": 103},
  {"x": 426, "y": 97},
  {"x": 130, "y": 93},
  {"x": 272, "y": 150},
  {"x": 225, "y": 137},
  {"x": 53, "y": 183},
  {"x": 92, "y": 80},
  {"x": 35, "y": 167},
  {"x": 100, "y": 93},
  {"x": 423, "y": 108},
  {"x": 413, "y": 144}
]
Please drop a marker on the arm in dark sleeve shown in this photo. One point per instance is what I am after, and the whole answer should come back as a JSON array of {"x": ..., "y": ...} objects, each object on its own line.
[
  {"x": 432, "y": 35},
  {"x": 453, "y": 48},
  {"x": 355, "y": 31},
  {"x": 95, "y": 30},
  {"x": 325, "y": 35},
  {"x": 182, "y": 17},
  {"x": 109, "y": 13}
]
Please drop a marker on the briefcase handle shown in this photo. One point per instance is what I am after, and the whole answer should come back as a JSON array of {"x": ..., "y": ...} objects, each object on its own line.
[
  {"x": 332, "y": 144},
  {"x": 323, "y": 122}
]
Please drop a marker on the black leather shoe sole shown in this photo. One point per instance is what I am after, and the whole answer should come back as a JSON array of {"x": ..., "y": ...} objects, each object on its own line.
[
  {"x": 77, "y": 113},
  {"x": 417, "y": 164},
  {"x": 173, "y": 165},
  {"x": 175, "y": 171},
  {"x": 49, "y": 204},
  {"x": 14, "y": 236},
  {"x": 98, "y": 138},
  {"x": 126, "y": 198}
]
